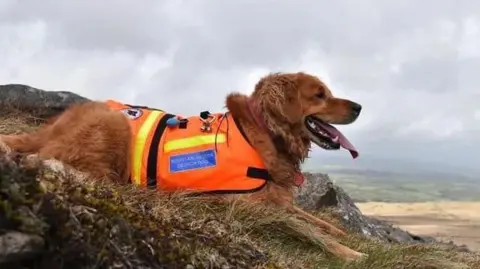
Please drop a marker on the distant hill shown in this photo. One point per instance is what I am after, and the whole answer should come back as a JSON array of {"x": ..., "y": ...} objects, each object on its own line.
[
  {"x": 399, "y": 180},
  {"x": 331, "y": 160}
]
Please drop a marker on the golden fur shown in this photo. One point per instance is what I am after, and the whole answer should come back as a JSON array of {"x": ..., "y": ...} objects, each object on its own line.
[{"x": 92, "y": 138}]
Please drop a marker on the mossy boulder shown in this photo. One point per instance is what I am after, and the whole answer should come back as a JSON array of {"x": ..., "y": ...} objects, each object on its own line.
[{"x": 50, "y": 220}]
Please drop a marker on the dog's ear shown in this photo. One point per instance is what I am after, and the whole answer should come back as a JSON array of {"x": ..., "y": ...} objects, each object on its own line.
[{"x": 279, "y": 96}]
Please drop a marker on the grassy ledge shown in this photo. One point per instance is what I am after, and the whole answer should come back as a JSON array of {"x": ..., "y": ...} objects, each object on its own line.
[{"x": 72, "y": 222}]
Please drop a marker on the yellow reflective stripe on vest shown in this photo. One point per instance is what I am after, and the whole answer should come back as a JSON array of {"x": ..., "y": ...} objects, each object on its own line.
[
  {"x": 194, "y": 141},
  {"x": 140, "y": 141}
]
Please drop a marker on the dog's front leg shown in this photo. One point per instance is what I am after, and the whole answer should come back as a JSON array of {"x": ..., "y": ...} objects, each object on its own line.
[
  {"x": 283, "y": 173},
  {"x": 329, "y": 228},
  {"x": 331, "y": 245},
  {"x": 343, "y": 251}
]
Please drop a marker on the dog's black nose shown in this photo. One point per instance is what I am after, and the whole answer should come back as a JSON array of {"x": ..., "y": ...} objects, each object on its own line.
[{"x": 356, "y": 108}]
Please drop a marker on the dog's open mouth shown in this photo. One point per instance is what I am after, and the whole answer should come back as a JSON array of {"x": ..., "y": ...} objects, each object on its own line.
[{"x": 328, "y": 137}]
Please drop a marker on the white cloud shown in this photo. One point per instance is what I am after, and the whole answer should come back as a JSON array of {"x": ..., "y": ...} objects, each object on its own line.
[
  {"x": 434, "y": 127},
  {"x": 247, "y": 83},
  {"x": 470, "y": 38},
  {"x": 476, "y": 114}
]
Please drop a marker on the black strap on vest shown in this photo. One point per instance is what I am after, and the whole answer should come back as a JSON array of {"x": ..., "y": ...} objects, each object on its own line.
[
  {"x": 258, "y": 173},
  {"x": 152, "y": 160},
  {"x": 252, "y": 172}
]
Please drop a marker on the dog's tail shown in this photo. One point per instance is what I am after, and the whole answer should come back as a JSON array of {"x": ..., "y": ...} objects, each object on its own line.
[
  {"x": 33, "y": 141},
  {"x": 23, "y": 143}
]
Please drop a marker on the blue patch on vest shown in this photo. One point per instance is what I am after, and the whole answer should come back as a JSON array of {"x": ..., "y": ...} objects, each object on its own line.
[{"x": 192, "y": 161}]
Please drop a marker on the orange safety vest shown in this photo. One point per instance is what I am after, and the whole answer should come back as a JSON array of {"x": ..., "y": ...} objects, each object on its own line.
[{"x": 185, "y": 157}]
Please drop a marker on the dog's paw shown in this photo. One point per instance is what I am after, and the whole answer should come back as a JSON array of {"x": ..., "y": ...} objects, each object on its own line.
[{"x": 352, "y": 255}]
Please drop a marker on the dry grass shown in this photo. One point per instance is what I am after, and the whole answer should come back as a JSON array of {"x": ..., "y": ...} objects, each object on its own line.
[
  {"x": 205, "y": 234},
  {"x": 15, "y": 122}
]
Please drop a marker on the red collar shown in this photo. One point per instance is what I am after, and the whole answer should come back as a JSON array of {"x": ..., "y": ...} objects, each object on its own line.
[{"x": 298, "y": 178}]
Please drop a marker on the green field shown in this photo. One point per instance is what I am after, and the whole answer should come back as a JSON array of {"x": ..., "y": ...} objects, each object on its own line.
[{"x": 364, "y": 185}]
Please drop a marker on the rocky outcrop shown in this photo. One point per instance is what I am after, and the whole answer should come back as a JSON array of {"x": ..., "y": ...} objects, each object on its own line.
[
  {"x": 39, "y": 102},
  {"x": 319, "y": 192}
]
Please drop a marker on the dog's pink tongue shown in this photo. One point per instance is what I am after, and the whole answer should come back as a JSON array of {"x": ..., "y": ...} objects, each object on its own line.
[{"x": 342, "y": 140}]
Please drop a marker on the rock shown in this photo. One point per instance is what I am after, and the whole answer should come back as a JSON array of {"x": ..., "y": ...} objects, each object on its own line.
[
  {"x": 39, "y": 102},
  {"x": 319, "y": 192},
  {"x": 16, "y": 246}
]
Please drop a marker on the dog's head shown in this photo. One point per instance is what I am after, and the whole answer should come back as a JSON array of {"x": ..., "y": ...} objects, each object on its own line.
[{"x": 300, "y": 108}]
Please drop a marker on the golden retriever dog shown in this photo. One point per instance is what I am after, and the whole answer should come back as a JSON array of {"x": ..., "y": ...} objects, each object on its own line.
[{"x": 279, "y": 120}]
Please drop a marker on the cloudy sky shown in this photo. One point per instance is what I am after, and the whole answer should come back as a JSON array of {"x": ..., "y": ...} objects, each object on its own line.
[{"x": 411, "y": 64}]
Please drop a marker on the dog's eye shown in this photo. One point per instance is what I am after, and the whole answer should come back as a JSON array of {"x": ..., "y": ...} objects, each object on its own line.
[{"x": 320, "y": 95}]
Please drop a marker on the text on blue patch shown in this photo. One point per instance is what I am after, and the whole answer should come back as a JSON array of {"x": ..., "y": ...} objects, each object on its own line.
[{"x": 194, "y": 160}]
